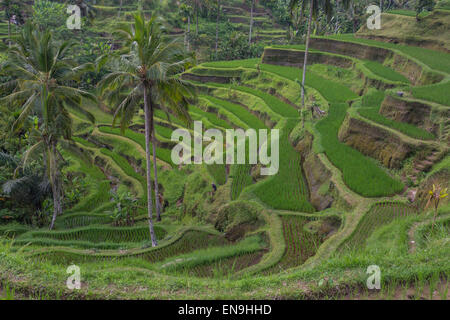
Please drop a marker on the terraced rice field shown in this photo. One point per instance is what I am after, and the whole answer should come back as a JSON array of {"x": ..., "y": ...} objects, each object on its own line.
[
  {"x": 380, "y": 214},
  {"x": 241, "y": 179},
  {"x": 385, "y": 72},
  {"x": 100, "y": 234},
  {"x": 437, "y": 93},
  {"x": 75, "y": 220},
  {"x": 226, "y": 267},
  {"x": 189, "y": 241},
  {"x": 360, "y": 173},
  {"x": 300, "y": 243},
  {"x": 161, "y": 153},
  {"x": 287, "y": 189},
  {"x": 371, "y": 110}
]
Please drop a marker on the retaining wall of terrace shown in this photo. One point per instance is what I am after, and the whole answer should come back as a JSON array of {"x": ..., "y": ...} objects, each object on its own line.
[
  {"x": 412, "y": 112},
  {"x": 316, "y": 174},
  {"x": 295, "y": 58},
  {"x": 205, "y": 78},
  {"x": 374, "y": 142},
  {"x": 415, "y": 73}
]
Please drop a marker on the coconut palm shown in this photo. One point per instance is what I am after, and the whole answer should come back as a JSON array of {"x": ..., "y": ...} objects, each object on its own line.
[
  {"x": 217, "y": 26},
  {"x": 251, "y": 22},
  {"x": 40, "y": 71},
  {"x": 148, "y": 73},
  {"x": 326, "y": 6}
]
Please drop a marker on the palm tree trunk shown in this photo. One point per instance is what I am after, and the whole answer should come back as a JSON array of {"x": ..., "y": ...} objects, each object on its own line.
[
  {"x": 54, "y": 180},
  {"x": 352, "y": 12},
  {"x": 305, "y": 61},
  {"x": 188, "y": 34},
  {"x": 149, "y": 177},
  {"x": 120, "y": 8},
  {"x": 197, "y": 8},
  {"x": 251, "y": 23},
  {"x": 9, "y": 32},
  {"x": 155, "y": 168},
  {"x": 217, "y": 26}
]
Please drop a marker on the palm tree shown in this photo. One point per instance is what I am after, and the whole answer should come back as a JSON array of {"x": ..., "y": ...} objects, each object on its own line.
[
  {"x": 198, "y": 5},
  {"x": 251, "y": 22},
  {"x": 150, "y": 68},
  {"x": 217, "y": 26},
  {"x": 314, "y": 7},
  {"x": 41, "y": 70}
]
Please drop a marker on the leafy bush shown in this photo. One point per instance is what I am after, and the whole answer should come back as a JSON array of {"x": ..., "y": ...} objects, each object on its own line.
[
  {"x": 235, "y": 46},
  {"x": 49, "y": 14}
]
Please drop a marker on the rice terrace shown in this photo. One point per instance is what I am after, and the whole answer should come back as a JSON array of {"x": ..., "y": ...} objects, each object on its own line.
[{"x": 100, "y": 198}]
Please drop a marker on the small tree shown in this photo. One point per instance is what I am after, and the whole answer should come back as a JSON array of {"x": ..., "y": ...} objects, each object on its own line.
[{"x": 125, "y": 208}]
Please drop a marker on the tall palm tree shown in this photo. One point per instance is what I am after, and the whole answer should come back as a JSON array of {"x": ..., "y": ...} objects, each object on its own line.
[
  {"x": 41, "y": 71},
  {"x": 217, "y": 26},
  {"x": 251, "y": 22},
  {"x": 149, "y": 73},
  {"x": 326, "y": 6}
]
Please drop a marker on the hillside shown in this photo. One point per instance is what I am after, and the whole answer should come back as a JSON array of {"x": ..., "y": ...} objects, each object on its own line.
[
  {"x": 432, "y": 31},
  {"x": 356, "y": 166}
]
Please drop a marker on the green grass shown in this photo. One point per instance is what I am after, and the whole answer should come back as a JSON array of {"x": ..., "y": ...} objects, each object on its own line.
[
  {"x": 437, "y": 93},
  {"x": 380, "y": 214},
  {"x": 241, "y": 179},
  {"x": 99, "y": 186},
  {"x": 162, "y": 115},
  {"x": 246, "y": 63},
  {"x": 330, "y": 90},
  {"x": 212, "y": 118},
  {"x": 203, "y": 262},
  {"x": 436, "y": 60},
  {"x": 385, "y": 72},
  {"x": 301, "y": 244},
  {"x": 409, "y": 13},
  {"x": 161, "y": 153},
  {"x": 360, "y": 173},
  {"x": 81, "y": 219},
  {"x": 218, "y": 172},
  {"x": 287, "y": 189},
  {"x": 218, "y": 72},
  {"x": 243, "y": 114},
  {"x": 125, "y": 166},
  {"x": 191, "y": 240},
  {"x": 275, "y": 104},
  {"x": 97, "y": 234}
]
